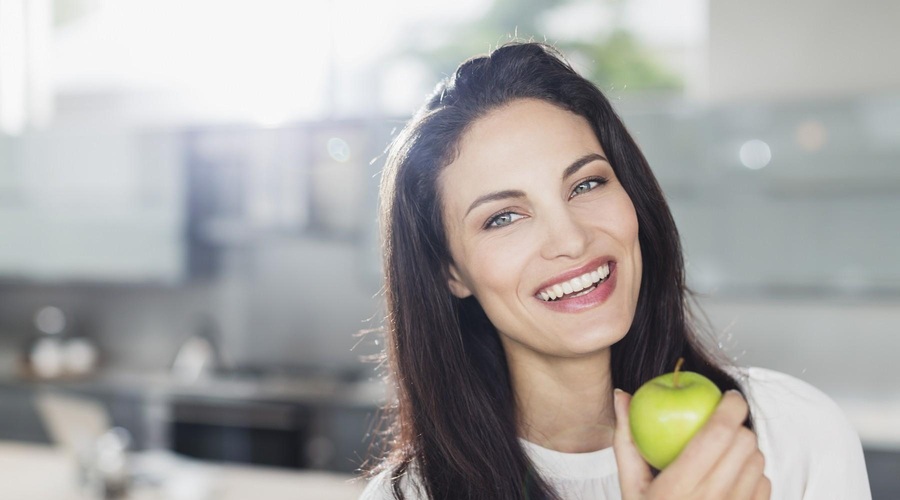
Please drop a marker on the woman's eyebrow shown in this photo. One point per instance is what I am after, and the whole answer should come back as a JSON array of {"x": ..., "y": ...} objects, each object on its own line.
[
  {"x": 584, "y": 160},
  {"x": 496, "y": 195},
  {"x": 514, "y": 193}
]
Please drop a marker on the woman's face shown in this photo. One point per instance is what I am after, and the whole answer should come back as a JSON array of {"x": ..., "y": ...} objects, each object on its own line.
[{"x": 535, "y": 217}]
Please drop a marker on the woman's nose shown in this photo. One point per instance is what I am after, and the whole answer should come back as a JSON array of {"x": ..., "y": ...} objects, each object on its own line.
[{"x": 564, "y": 236}]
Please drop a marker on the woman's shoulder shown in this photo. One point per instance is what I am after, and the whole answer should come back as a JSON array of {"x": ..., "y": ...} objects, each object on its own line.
[
  {"x": 774, "y": 394},
  {"x": 783, "y": 404},
  {"x": 378, "y": 487},
  {"x": 810, "y": 446},
  {"x": 381, "y": 485}
]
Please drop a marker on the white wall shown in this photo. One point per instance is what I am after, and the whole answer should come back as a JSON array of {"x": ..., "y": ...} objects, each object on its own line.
[
  {"x": 844, "y": 347},
  {"x": 776, "y": 49}
]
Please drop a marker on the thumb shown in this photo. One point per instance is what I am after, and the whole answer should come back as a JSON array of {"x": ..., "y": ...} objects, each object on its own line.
[{"x": 634, "y": 473}]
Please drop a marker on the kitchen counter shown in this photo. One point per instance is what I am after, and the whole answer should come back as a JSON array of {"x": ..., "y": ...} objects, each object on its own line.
[
  {"x": 316, "y": 421},
  {"x": 874, "y": 418},
  {"x": 36, "y": 472},
  {"x": 263, "y": 388}
]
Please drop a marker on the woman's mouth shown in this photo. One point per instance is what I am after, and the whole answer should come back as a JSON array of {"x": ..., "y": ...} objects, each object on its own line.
[{"x": 577, "y": 286}]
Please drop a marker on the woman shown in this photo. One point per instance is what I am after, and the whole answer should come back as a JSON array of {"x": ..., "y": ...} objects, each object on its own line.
[{"x": 532, "y": 266}]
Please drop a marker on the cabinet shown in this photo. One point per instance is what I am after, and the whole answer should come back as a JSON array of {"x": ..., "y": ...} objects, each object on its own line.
[
  {"x": 293, "y": 432},
  {"x": 816, "y": 217},
  {"x": 92, "y": 204},
  {"x": 19, "y": 420}
]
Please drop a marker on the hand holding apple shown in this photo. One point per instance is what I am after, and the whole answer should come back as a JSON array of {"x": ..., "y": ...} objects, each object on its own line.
[
  {"x": 668, "y": 410},
  {"x": 722, "y": 460}
]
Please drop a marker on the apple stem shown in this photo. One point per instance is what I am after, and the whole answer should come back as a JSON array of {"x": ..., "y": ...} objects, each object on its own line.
[{"x": 677, "y": 371}]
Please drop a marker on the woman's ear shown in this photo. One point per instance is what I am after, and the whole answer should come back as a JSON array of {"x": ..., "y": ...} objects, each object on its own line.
[{"x": 457, "y": 284}]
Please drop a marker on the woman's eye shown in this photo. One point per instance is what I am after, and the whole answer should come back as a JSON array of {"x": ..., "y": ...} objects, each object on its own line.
[
  {"x": 586, "y": 186},
  {"x": 502, "y": 219}
]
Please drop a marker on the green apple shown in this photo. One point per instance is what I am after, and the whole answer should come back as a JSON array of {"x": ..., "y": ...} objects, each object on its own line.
[{"x": 668, "y": 410}]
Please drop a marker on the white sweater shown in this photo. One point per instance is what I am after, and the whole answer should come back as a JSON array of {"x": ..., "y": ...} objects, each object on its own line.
[{"x": 811, "y": 450}]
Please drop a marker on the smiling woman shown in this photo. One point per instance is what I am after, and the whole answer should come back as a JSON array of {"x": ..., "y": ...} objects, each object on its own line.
[
  {"x": 564, "y": 216},
  {"x": 532, "y": 266}
]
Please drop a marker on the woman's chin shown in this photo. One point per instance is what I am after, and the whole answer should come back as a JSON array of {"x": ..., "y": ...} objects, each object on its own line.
[
  {"x": 567, "y": 345},
  {"x": 587, "y": 346}
]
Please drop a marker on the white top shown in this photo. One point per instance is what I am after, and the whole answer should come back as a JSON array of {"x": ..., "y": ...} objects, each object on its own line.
[{"x": 811, "y": 450}]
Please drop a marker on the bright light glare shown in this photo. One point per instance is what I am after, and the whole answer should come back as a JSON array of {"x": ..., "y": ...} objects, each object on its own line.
[
  {"x": 12, "y": 67},
  {"x": 755, "y": 154},
  {"x": 230, "y": 58},
  {"x": 338, "y": 149},
  {"x": 266, "y": 60}
]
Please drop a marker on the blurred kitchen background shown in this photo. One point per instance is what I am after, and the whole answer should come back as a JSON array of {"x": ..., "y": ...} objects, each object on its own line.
[{"x": 188, "y": 250}]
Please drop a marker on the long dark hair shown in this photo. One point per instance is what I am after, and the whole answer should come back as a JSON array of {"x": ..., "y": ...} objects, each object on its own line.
[{"x": 454, "y": 421}]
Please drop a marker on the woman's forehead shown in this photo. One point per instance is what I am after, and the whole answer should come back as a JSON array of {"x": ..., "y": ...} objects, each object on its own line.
[
  {"x": 521, "y": 134},
  {"x": 522, "y": 148}
]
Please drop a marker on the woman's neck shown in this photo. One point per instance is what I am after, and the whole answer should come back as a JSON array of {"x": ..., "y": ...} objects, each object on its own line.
[{"x": 564, "y": 404}]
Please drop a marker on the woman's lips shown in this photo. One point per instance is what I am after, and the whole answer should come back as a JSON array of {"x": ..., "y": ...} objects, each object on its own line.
[
  {"x": 560, "y": 279},
  {"x": 580, "y": 284},
  {"x": 597, "y": 296}
]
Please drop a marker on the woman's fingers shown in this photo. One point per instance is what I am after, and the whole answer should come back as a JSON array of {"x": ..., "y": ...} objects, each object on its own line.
[
  {"x": 710, "y": 444},
  {"x": 740, "y": 471},
  {"x": 763, "y": 489},
  {"x": 634, "y": 473}
]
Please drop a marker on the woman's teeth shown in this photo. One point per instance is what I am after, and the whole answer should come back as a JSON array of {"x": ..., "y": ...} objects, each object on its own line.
[{"x": 579, "y": 285}]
